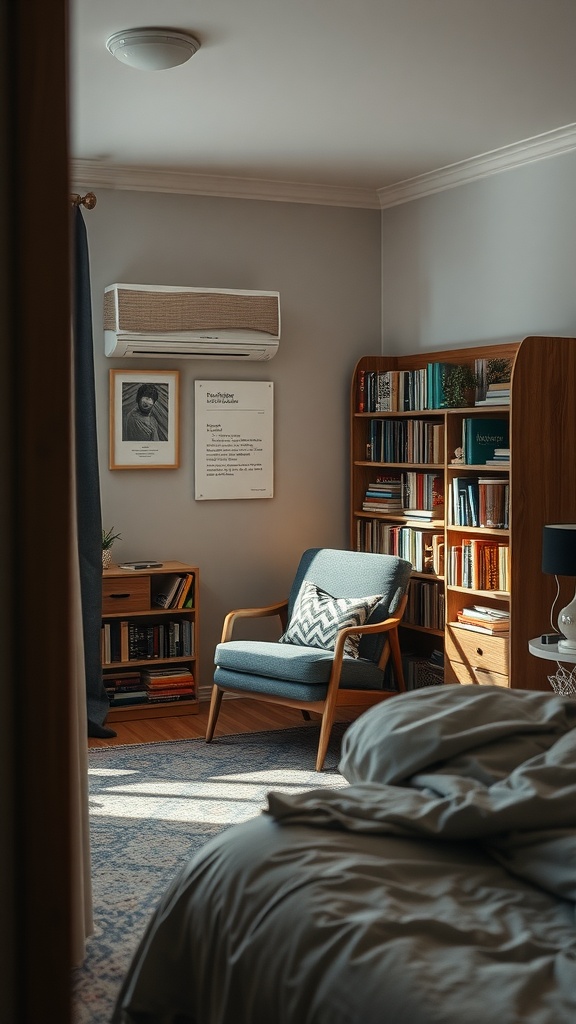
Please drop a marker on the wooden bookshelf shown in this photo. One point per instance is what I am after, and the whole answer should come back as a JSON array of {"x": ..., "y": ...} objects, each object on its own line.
[
  {"x": 171, "y": 634},
  {"x": 542, "y": 489}
]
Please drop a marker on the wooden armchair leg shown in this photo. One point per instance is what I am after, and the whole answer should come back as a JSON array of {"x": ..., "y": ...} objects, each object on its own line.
[
  {"x": 215, "y": 702},
  {"x": 325, "y": 730},
  {"x": 397, "y": 659}
]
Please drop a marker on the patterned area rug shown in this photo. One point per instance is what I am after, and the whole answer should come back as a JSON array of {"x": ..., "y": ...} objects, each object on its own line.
[{"x": 151, "y": 807}]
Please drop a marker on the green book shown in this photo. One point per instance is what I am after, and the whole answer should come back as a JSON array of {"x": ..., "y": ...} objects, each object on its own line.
[{"x": 481, "y": 436}]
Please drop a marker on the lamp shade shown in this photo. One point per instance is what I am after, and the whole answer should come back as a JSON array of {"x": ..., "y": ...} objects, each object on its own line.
[{"x": 559, "y": 549}]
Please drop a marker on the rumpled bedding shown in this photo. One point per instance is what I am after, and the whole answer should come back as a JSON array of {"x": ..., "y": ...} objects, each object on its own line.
[
  {"x": 439, "y": 887},
  {"x": 455, "y": 771}
]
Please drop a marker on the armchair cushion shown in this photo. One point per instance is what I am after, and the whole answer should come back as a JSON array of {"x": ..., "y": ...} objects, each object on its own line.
[
  {"x": 317, "y": 617},
  {"x": 251, "y": 664}
]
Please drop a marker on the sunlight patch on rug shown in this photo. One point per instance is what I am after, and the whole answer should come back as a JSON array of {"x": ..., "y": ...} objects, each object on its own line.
[{"x": 214, "y": 800}]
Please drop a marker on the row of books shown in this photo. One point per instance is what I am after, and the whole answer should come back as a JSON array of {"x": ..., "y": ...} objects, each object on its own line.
[
  {"x": 166, "y": 685},
  {"x": 131, "y": 640},
  {"x": 481, "y": 502},
  {"x": 422, "y": 388},
  {"x": 409, "y": 440},
  {"x": 384, "y": 494},
  {"x": 423, "y": 548},
  {"x": 423, "y": 494},
  {"x": 416, "y": 494},
  {"x": 478, "y": 564},
  {"x": 175, "y": 591},
  {"x": 402, "y": 390},
  {"x": 426, "y": 604}
]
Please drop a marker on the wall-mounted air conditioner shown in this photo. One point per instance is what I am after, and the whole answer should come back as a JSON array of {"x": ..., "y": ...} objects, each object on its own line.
[{"x": 169, "y": 322}]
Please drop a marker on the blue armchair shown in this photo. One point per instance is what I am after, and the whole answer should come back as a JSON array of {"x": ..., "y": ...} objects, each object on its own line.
[{"x": 340, "y": 627}]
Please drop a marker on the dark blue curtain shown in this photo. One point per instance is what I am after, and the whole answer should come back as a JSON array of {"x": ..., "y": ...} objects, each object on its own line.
[{"x": 89, "y": 513}]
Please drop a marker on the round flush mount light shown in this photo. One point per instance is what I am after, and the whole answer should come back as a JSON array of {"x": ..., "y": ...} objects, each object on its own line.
[{"x": 152, "y": 49}]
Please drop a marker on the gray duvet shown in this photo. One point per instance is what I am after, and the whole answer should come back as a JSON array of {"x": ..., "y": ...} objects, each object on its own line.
[{"x": 439, "y": 887}]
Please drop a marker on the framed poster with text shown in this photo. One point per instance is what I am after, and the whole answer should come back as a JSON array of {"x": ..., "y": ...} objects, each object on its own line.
[{"x": 234, "y": 437}]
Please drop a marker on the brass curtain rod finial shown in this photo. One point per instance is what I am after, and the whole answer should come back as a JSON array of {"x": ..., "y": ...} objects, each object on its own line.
[{"x": 88, "y": 201}]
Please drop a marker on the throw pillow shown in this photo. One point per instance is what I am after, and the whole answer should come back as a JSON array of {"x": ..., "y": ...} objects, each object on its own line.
[{"x": 317, "y": 618}]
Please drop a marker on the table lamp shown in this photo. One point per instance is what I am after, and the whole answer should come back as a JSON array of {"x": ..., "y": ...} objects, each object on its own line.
[{"x": 559, "y": 559}]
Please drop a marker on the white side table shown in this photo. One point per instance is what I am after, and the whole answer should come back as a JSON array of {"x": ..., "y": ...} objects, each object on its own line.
[
  {"x": 563, "y": 681},
  {"x": 550, "y": 652}
]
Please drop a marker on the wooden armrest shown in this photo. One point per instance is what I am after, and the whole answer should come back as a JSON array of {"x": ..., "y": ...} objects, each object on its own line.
[{"x": 280, "y": 609}]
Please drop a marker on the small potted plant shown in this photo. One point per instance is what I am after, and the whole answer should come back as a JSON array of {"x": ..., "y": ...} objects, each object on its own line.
[
  {"x": 108, "y": 538},
  {"x": 459, "y": 382}
]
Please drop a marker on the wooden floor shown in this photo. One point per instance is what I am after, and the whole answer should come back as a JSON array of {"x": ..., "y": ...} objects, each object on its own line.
[{"x": 237, "y": 715}]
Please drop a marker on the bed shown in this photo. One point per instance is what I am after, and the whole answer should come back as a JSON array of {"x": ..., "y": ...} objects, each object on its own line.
[{"x": 438, "y": 887}]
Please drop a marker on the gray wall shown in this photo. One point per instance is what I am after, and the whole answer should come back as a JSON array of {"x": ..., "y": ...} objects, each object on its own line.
[
  {"x": 490, "y": 260},
  {"x": 325, "y": 263}
]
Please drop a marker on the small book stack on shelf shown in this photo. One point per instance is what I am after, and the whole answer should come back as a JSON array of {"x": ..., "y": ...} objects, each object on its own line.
[
  {"x": 124, "y": 689},
  {"x": 501, "y": 458},
  {"x": 496, "y": 394},
  {"x": 481, "y": 619},
  {"x": 384, "y": 495},
  {"x": 168, "y": 684}
]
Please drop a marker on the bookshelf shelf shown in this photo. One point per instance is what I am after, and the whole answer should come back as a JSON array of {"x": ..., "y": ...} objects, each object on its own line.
[
  {"x": 429, "y": 630},
  {"x": 496, "y": 595},
  {"x": 484, "y": 531},
  {"x": 536, "y": 486},
  {"x": 150, "y": 652}
]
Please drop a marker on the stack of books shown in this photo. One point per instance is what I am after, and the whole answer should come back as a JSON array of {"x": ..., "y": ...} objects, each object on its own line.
[
  {"x": 501, "y": 457},
  {"x": 482, "y": 619},
  {"x": 168, "y": 684},
  {"x": 125, "y": 688},
  {"x": 384, "y": 495},
  {"x": 496, "y": 394}
]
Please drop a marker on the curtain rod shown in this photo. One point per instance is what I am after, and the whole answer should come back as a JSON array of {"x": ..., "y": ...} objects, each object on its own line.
[{"x": 89, "y": 200}]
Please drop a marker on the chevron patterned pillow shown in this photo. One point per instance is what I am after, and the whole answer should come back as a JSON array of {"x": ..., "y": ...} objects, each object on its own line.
[{"x": 317, "y": 617}]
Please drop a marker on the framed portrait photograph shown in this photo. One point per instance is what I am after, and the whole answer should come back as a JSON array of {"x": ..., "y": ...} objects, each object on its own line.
[{"x": 144, "y": 418}]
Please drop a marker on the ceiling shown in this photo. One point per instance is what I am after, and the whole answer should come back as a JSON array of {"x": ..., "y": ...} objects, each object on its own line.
[{"x": 341, "y": 98}]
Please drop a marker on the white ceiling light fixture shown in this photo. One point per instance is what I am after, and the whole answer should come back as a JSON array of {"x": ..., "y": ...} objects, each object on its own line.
[{"x": 152, "y": 49}]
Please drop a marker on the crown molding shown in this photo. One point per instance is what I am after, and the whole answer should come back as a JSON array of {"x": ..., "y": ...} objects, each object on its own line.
[
  {"x": 94, "y": 174},
  {"x": 555, "y": 143}
]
